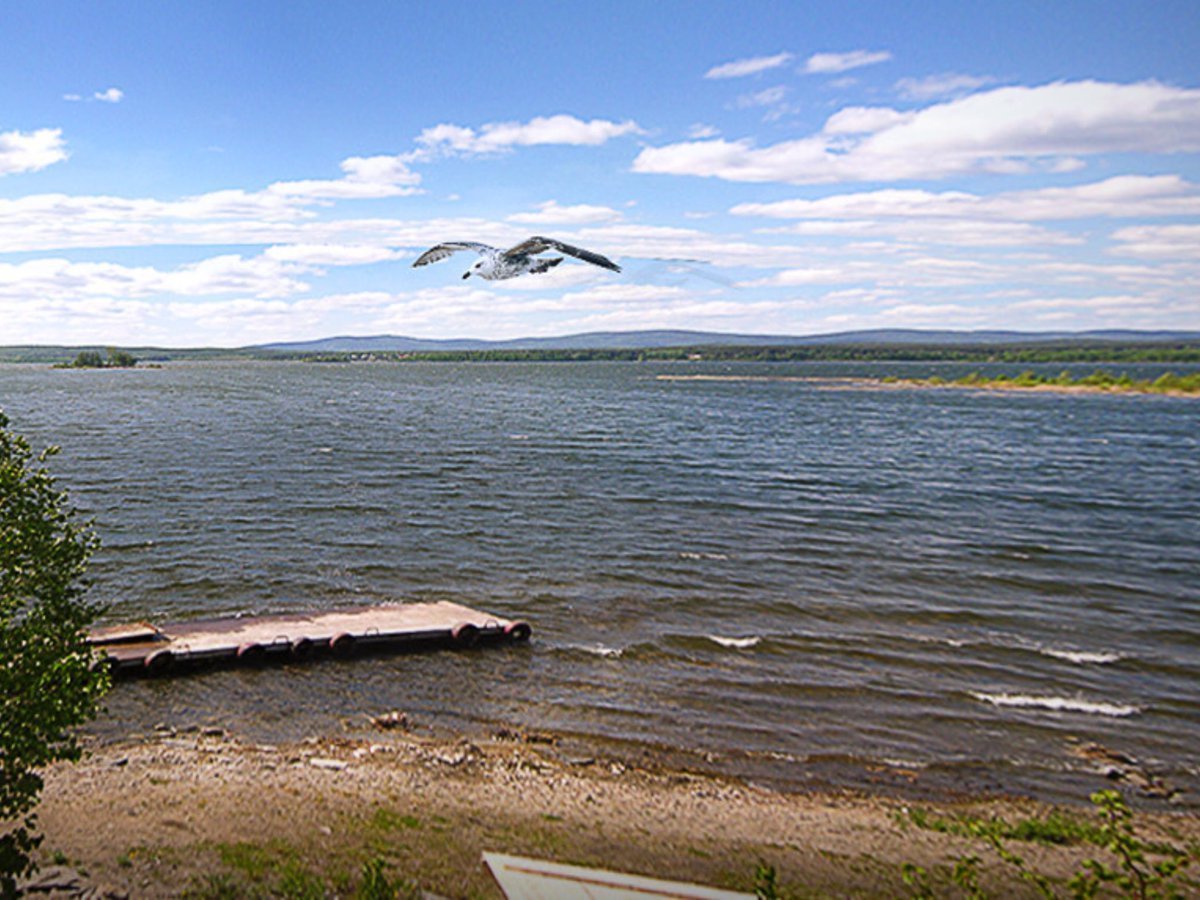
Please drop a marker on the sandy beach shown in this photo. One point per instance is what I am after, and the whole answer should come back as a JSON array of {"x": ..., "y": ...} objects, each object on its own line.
[{"x": 203, "y": 814}]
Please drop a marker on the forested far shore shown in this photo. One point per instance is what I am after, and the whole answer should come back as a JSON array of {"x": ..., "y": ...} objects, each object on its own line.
[
  {"x": 1135, "y": 353},
  {"x": 1049, "y": 352}
]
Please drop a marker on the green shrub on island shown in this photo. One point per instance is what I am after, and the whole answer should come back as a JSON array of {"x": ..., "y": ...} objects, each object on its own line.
[
  {"x": 1028, "y": 379},
  {"x": 91, "y": 359},
  {"x": 88, "y": 359},
  {"x": 1102, "y": 380},
  {"x": 1099, "y": 379}
]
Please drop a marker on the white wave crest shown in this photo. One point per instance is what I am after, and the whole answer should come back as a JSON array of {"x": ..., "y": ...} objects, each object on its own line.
[
  {"x": 1081, "y": 657},
  {"x": 949, "y": 642},
  {"x": 738, "y": 643},
  {"x": 600, "y": 650},
  {"x": 1059, "y": 704}
]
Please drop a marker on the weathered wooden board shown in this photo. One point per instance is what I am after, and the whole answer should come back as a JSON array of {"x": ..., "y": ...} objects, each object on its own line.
[
  {"x": 141, "y": 647},
  {"x": 535, "y": 879}
]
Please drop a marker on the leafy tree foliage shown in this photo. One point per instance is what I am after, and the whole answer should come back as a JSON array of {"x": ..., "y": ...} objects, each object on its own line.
[
  {"x": 48, "y": 683},
  {"x": 120, "y": 359},
  {"x": 89, "y": 359}
]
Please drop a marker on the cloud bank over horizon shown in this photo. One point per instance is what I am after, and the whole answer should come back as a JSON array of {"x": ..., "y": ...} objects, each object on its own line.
[{"x": 809, "y": 189}]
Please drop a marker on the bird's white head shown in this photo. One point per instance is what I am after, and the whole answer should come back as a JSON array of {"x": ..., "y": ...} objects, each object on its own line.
[{"x": 476, "y": 269}]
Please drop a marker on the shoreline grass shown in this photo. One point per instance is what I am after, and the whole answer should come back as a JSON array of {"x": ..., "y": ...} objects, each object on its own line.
[{"x": 1100, "y": 381}]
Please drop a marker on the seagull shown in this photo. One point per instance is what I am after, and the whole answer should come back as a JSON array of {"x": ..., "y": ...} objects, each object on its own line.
[{"x": 496, "y": 265}]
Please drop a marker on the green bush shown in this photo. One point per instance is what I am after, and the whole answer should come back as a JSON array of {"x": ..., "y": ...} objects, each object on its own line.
[
  {"x": 48, "y": 683},
  {"x": 89, "y": 359},
  {"x": 1137, "y": 868},
  {"x": 120, "y": 359}
]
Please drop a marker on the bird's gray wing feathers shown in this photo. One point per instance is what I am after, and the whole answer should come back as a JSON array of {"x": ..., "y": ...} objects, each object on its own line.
[
  {"x": 441, "y": 251},
  {"x": 537, "y": 244}
]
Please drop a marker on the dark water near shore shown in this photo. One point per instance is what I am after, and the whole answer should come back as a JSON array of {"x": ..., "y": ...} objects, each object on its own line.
[{"x": 962, "y": 583}]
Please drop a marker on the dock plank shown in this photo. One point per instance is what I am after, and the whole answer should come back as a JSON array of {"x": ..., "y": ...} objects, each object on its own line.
[{"x": 250, "y": 639}]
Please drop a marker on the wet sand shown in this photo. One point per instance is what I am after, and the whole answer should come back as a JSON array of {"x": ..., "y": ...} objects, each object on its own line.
[{"x": 205, "y": 812}]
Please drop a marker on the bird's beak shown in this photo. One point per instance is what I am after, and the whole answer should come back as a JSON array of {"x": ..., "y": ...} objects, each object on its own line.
[{"x": 466, "y": 275}]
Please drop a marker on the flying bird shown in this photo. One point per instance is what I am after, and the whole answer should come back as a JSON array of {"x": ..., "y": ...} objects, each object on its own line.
[{"x": 496, "y": 265}]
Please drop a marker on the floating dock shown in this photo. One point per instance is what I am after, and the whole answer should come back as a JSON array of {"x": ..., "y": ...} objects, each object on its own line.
[{"x": 142, "y": 648}]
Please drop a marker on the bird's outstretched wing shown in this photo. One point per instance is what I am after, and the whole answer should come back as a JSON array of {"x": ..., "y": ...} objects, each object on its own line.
[
  {"x": 538, "y": 244},
  {"x": 441, "y": 251}
]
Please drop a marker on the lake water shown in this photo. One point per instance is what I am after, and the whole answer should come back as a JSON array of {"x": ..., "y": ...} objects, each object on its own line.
[{"x": 803, "y": 579}]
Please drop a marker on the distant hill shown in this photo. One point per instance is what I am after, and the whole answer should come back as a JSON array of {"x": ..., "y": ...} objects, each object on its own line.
[
  {"x": 622, "y": 340},
  {"x": 638, "y": 340}
]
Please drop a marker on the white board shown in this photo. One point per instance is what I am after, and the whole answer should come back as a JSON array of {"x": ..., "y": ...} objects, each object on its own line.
[{"x": 535, "y": 879}]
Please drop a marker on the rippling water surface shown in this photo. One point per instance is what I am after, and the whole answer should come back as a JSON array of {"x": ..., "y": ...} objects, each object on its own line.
[{"x": 965, "y": 583}]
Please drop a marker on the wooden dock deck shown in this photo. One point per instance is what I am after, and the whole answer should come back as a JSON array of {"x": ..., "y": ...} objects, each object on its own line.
[{"x": 142, "y": 648}]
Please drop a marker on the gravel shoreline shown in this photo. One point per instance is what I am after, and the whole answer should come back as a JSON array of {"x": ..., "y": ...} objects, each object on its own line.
[{"x": 202, "y": 812}]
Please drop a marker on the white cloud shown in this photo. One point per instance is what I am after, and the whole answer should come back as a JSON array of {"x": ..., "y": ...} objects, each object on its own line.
[
  {"x": 802, "y": 276},
  {"x": 947, "y": 84},
  {"x": 864, "y": 120},
  {"x": 773, "y": 99},
  {"x": 552, "y": 213},
  {"x": 954, "y": 232},
  {"x": 660, "y": 242},
  {"x": 274, "y": 273},
  {"x": 44, "y": 222},
  {"x": 1106, "y": 303},
  {"x": 277, "y": 213},
  {"x": 497, "y": 137},
  {"x": 741, "y": 67},
  {"x": 687, "y": 312},
  {"x": 700, "y": 131},
  {"x": 284, "y": 211},
  {"x": 606, "y": 294},
  {"x": 369, "y": 177},
  {"x": 1120, "y": 196},
  {"x": 1007, "y": 129},
  {"x": 59, "y": 279},
  {"x": 832, "y": 63},
  {"x": 915, "y": 271},
  {"x": 312, "y": 255},
  {"x": 561, "y": 278},
  {"x": 111, "y": 95},
  {"x": 1088, "y": 312},
  {"x": 29, "y": 151},
  {"x": 766, "y": 97},
  {"x": 1181, "y": 242},
  {"x": 379, "y": 170}
]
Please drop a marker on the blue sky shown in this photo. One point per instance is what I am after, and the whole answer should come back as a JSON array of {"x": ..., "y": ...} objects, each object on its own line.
[{"x": 189, "y": 174}]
